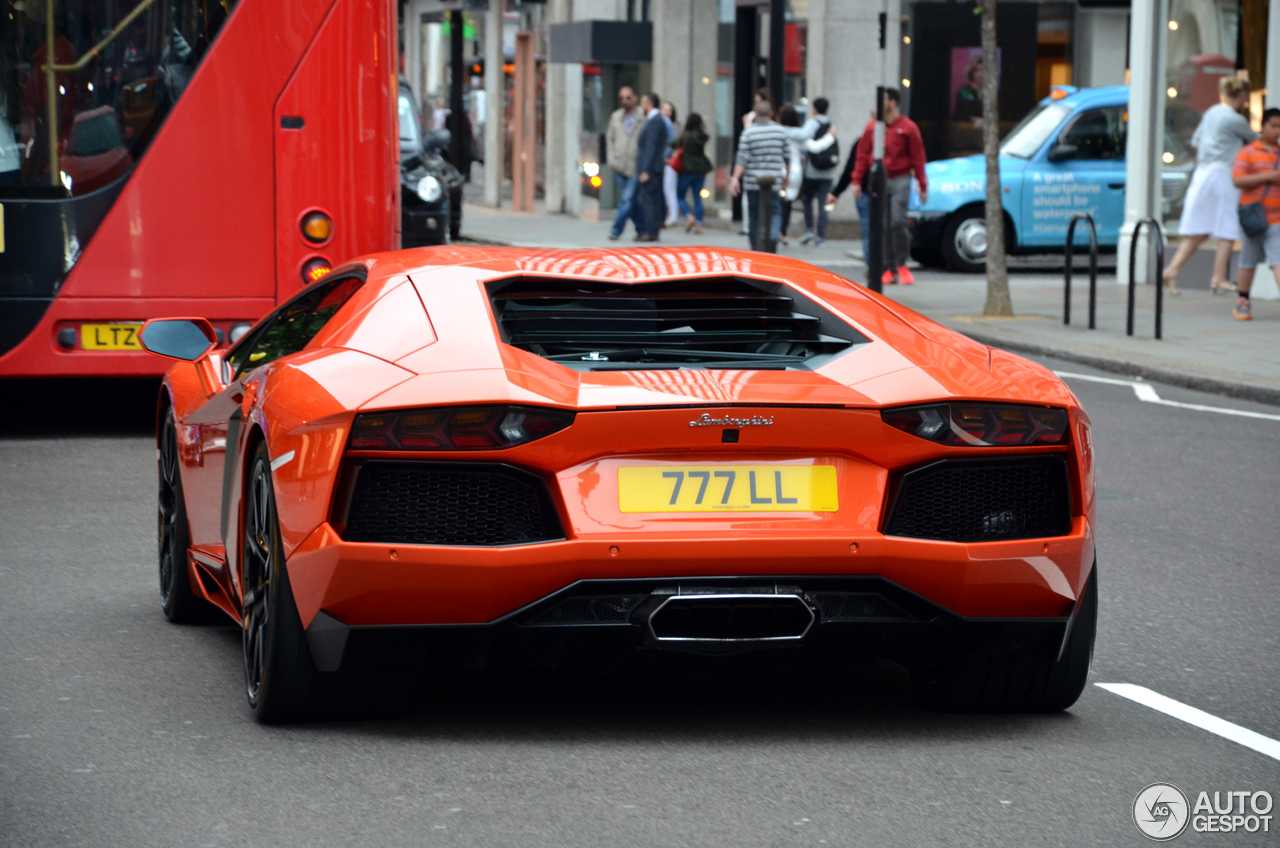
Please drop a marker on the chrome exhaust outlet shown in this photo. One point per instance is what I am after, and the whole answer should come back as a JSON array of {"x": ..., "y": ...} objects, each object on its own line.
[{"x": 731, "y": 617}]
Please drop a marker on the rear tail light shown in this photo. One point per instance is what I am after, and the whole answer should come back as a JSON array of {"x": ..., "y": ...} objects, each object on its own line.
[
  {"x": 456, "y": 428},
  {"x": 981, "y": 424}
]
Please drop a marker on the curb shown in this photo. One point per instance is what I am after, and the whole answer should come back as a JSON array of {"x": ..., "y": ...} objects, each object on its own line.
[{"x": 1244, "y": 391}]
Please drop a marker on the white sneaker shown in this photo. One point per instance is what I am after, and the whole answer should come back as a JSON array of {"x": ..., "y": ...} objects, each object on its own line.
[{"x": 807, "y": 237}]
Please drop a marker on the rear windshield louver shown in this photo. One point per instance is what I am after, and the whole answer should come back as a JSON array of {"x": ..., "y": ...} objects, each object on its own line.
[{"x": 701, "y": 323}]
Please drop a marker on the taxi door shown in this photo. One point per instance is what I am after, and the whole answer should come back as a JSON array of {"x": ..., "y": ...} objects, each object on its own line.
[{"x": 1082, "y": 170}]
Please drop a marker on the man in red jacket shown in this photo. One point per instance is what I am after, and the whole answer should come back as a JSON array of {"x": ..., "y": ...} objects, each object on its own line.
[{"x": 903, "y": 156}]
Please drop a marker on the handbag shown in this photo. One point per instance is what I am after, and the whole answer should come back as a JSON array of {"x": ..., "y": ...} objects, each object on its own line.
[
  {"x": 1253, "y": 216},
  {"x": 677, "y": 160}
]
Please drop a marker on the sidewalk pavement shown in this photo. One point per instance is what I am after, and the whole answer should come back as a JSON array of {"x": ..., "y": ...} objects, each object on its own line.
[{"x": 1203, "y": 347}]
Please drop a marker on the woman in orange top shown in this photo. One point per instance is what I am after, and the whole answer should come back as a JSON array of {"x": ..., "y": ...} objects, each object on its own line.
[{"x": 1257, "y": 175}]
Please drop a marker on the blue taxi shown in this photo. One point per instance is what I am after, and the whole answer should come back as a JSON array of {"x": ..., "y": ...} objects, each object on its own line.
[{"x": 1066, "y": 157}]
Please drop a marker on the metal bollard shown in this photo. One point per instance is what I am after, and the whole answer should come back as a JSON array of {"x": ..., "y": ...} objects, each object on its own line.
[
  {"x": 1093, "y": 269},
  {"x": 1158, "y": 233}
]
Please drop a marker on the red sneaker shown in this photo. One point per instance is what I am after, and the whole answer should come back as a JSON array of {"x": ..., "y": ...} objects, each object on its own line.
[
  {"x": 905, "y": 276},
  {"x": 887, "y": 279}
]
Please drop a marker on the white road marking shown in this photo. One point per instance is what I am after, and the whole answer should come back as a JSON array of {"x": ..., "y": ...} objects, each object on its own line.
[
  {"x": 1146, "y": 393},
  {"x": 282, "y": 460},
  {"x": 1199, "y": 718}
]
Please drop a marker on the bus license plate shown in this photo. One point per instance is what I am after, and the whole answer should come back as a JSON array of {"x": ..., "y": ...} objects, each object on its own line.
[
  {"x": 116, "y": 336},
  {"x": 727, "y": 488}
]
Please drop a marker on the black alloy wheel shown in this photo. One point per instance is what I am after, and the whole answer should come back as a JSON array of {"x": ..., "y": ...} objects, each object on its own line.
[
  {"x": 180, "y": 603},
  {"x": 258, "y": 561},
  {"x": 278, "y": 670}
]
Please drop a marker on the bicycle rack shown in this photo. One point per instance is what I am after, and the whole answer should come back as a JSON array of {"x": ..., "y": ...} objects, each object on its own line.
[
  {"x": 1133, "y": 259},
  {"x": 1093, "y": 269}
]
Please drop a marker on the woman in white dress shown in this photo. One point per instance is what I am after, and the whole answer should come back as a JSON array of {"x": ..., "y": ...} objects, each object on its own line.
[{"x": 1211, "y": 204}]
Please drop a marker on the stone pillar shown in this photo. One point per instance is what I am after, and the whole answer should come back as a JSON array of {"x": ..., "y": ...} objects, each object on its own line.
[
  {"x": 1273, "y": 54},
  {"x": 1148, "y": 32},
  {"x": 839, "y": 31},
  {"x": 1100, "y": 47},
  {"x": 571, "y": 120},
  {"x": 558, "y": 132},
  {"x": 495, "y": 109},
  {"x": 684, "y": 58}
]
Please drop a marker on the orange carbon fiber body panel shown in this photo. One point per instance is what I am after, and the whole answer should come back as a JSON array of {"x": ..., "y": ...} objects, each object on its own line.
[{"x": 420, "y": 333}]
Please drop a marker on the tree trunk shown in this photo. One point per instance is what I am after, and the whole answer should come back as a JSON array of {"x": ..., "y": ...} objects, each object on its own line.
[{"x": 998, "y": 300}]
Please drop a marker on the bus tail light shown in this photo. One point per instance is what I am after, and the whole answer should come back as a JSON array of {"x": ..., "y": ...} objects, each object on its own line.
[
  {"x": 315, "y": 269},
  {"x": 317, "y": 227}
]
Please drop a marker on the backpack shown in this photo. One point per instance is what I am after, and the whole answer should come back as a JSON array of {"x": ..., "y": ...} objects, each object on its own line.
[{"x": 826, "y": 159}]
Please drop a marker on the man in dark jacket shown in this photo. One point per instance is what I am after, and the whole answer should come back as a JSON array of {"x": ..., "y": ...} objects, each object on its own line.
[{"x": 649, "y": 164}]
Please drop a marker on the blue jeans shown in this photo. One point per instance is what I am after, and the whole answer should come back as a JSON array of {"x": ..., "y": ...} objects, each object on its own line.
[
  {"x": 775, "y": 219},
  {"x": 812, "y": 190},
  {"x": 625, "y": 188},
  {"x": 864, "y": 224},
  {"x": 684, "y": 183}
]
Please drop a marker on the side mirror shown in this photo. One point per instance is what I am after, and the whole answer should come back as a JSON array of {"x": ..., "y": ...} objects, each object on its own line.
[
  {"x": 187, "y": 339},
  {"x": 1063, "y": 152}
]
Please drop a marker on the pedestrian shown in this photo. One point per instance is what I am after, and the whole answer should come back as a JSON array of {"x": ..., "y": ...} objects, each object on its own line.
[
  {"x": 693, "y": 165},
  {"x": 763, "y": 151},
  {"x": 789, "y": 120},
  {"x": 620, "y": 144},
  {"x": 669, "y": 175},
  {"x": 1212, "y": 198},
  {"x": 819, "y": 174},
  {"x": 805, "y": 144},
  {"x": 1257, "y": 175},
  {"x": 761, "y": 95},
  {"x": 861, "y": 198},
  {"x": 903, "y": 156},
  {"x": 650, "y": 162}
]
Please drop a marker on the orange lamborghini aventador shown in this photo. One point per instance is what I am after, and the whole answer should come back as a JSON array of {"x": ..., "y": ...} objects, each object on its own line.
[{"x": 695, "y": 450}]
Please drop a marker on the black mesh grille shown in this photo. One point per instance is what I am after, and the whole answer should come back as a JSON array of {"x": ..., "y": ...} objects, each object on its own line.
[
  {"x": 419, "y": 503},
  {"x": 983, "y": 500}
]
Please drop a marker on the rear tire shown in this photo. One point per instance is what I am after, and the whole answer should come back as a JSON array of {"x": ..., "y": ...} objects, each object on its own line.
[
  {"x": 1029, "y": 680},
  {"x": 180, "y": 603},
  {"x": 279, "y": 673}
]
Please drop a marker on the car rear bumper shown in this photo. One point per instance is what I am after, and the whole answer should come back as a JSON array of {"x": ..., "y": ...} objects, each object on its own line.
[
  {"x": 864, "y": 616},
  {"x": 381, "y": 585}
]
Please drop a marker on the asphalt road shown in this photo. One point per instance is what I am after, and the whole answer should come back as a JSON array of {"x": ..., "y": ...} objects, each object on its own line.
[{"x": 117, "y": 728}]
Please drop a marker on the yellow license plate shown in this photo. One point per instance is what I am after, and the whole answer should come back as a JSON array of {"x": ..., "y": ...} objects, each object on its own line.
[
  {"x": 727, "y": 488},
  {"x": 119, "y": 336}
]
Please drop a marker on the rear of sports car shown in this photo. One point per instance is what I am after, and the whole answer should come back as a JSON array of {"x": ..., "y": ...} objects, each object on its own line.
[{"x": 686, "y": 466}]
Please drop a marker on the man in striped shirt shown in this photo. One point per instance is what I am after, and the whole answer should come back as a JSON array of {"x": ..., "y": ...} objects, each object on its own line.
[
  {"x": 1257, "y": 175},
  {"x": 762, "y": 152}
]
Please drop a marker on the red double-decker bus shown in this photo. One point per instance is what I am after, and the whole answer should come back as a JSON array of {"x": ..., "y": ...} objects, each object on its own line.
[{"x": 174, "y": 157}]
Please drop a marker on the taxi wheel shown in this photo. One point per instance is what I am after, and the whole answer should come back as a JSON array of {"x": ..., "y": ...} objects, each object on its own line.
[
  {"x": 964, "y": 241},
  {"x": 278, "y": 671},
  {"x": 180, "y": 603}
]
